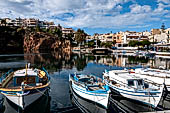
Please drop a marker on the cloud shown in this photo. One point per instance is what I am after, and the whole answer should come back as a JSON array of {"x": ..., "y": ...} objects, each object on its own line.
[
  {"x": 135, "y": 8},
  {"x": 164, "y": 1},
  {"x": 88, "y": 13}
]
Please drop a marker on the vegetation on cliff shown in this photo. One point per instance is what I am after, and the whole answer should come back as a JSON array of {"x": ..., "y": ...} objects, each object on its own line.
[
  {"x": 11, "y": 38},
  {"x": 35, "y": 38}
]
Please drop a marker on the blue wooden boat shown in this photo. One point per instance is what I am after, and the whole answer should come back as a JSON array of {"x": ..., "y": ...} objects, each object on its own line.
[
  {"x": 91, "y": 88},
  {"x": 24, "y": 86}
]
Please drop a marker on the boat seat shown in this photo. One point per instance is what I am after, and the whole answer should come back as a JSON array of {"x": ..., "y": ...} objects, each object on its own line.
[{"x": 93, "y": 88}]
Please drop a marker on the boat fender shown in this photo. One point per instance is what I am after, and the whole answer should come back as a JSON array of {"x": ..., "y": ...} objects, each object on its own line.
[
  {"x": 106, "y": 87},
  {"x": 86, "y": 88},
  {"x": 131, "y": 71},
  {"x": 106, "y": 71},
  {"x": 42, "y": 74}
]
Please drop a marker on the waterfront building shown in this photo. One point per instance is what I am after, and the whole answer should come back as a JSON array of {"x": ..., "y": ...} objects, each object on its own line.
[
  {"x": 159, "y": 36},
  {"x": 67, "y": 31},
  {"x": 19, "y": 22},
  {"x": 123, "y": 38},
  {"x": 31, "y": 22}
]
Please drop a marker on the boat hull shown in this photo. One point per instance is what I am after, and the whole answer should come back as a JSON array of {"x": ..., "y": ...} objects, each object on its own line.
[
  {"x": 85, "y": 105},
  {"x": 99, "y": 98},
  {"x": 150, "y": 98},
  {"x": 24, "y": 99}
]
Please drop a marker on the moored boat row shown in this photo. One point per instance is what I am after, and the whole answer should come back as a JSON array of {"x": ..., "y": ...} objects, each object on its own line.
[
  {"x": 122, "y": 82},
  {"x": 24, "y": 86}
]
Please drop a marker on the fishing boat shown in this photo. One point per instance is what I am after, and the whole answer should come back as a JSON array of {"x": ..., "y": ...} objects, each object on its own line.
[
  {"x": 84, "y": 105},
  {"x": 24, "y": 86},
  {"x": 90, "y": 88},
  {"x": 158, "y": 76},
  {"x": 131, "y": 86}
]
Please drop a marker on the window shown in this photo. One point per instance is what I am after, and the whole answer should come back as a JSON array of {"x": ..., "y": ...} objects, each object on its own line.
[
  {"x": 140, "y": 82},
  {"x": 130, "y": 82}
]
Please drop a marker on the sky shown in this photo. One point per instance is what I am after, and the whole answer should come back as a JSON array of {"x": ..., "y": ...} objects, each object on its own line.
[{"x": 93, "y": 16}]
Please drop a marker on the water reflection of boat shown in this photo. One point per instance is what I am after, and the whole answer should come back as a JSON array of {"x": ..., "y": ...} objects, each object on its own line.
[
  {"x": 91, "y": 88},
  {"x": 84, "y": 105},
  {"x": 131, "y": 86},
  {"x": 121, "y": 104},
  {"x": 24, "y": 86},
  {"x": 144, "y": 53},
  {"x": 41, "y": 105},
  {"x": 101, "y": 51}
]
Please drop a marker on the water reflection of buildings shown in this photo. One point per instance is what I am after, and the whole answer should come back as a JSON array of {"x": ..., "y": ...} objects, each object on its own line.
[
  {"x": 161, "y": 63},
  {"x": 123, "y": 61},
  {"x": 131, "y": 61},
  {"x": 57, "y": 60}
]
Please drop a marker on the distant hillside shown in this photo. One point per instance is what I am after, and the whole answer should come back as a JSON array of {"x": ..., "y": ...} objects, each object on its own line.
[{"x": 16, "y": 39}]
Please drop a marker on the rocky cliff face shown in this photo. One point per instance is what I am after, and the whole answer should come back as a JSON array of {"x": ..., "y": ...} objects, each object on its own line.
[{"x": 45, "y": 42}]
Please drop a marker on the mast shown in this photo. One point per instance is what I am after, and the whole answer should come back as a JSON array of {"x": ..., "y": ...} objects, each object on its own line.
[{"x": 26, "y": 79}]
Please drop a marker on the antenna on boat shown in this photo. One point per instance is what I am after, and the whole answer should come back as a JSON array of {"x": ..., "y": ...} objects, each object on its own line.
[
  {"x": 26, "y": 79},
  {"x": 29, "y": 65},
  {"x": 26, "y": 69}
]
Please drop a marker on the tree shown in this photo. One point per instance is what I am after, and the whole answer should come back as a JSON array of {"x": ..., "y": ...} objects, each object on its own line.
[
  {"x": 80, "y": 36},
  {"x": 133, "y": 43},
  {"x": 37, "y": 29},
  {"x": 114, "y": 42},
  {"x": 106, "y": 44},
  {"x": 145, "y": 42},
  {"x": 163, "y": 26},
  {"x": 58, "y": 31},
  {"x": 91, "y": 43},
  {"x": 3, "y": 22}
]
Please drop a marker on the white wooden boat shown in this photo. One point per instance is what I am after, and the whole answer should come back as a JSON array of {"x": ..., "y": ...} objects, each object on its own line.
[
  {"x": 157, "y": 76},
  {"x": 131, "y": 86},
  {"x": 91, "y": 88},
  {"x": 24, "y": 86},
  {"x": 84, "y": 105}
]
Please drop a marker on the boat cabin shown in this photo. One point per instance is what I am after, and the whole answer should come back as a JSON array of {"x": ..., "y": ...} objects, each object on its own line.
[
  {"x": 29, "y": 76},
  {"x": 125, "y": 78}
]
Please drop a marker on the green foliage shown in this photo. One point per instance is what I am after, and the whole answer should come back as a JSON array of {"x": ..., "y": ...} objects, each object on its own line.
[
  {"x": 11, "y": 38},
  {"x": 91, "y": 43},
  {"x": 133, "y": 59},
  {"x": 133, "y": 43},
  {"x": 114, "y": 42},
  {"x": 139, "y": 43},
  {"x": 37, "y": 29},
  {"x": 106, "y": 44},
  {"x": 80, "y": 36},
  {"x": 145, "y": 42}
]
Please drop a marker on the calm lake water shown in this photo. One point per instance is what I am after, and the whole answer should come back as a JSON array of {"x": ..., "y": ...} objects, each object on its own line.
[{"x": 60, "y": 99}]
